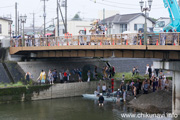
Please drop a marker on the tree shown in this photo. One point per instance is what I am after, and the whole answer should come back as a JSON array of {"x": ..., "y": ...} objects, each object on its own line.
[{"x": 76, "y": 17}]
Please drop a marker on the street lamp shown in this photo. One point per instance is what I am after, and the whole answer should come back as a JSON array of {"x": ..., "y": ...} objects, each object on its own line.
[
  {"x": 145, "y": 9},
  {"x": 23, "y": 20}
]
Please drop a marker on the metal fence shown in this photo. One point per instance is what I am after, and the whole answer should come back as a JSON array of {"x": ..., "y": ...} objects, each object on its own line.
[{"x": 114, "y": 39}]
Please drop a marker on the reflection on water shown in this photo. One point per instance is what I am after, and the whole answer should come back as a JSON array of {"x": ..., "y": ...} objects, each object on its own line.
[{"x": 65, "y": 109}]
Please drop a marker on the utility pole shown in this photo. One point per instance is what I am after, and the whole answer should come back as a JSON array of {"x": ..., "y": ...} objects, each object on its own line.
[
  {"x": 57, "y": 18},
  {"x": 16, "y": 18},
  {"x": 103, "y": 15},
  {"x": 66, "y": 16},
  {"x": 33, "y": 22},
  {"x": 18, "y": 23},
  {"x": 44, "y": 16}
]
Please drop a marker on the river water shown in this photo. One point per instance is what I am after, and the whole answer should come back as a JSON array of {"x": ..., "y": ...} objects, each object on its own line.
[{"x": 75, "y": 108}]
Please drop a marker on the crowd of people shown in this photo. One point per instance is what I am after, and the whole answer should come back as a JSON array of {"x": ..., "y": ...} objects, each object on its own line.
[
  {"x": 54, "y": 77},
  {"x": 154, "y": 82},
  {"x": 170, "y": 38}
]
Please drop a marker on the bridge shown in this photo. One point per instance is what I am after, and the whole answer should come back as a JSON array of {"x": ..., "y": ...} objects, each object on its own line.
[
  {"x": 162, "y": 45},
  {"x": 165, "y": 46}
]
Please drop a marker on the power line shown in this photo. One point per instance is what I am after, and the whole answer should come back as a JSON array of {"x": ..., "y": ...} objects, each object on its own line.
[
  {"x": 121, "y": 7},
  {"x": 125, "y": 3},
  {"x": 114, "y": 5}
]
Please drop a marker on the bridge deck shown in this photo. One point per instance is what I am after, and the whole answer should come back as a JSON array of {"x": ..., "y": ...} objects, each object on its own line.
[{"x": 168, "y": 44}]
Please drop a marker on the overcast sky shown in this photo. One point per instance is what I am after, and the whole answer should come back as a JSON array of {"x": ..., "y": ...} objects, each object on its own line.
[{"x": 88, "y": 8}]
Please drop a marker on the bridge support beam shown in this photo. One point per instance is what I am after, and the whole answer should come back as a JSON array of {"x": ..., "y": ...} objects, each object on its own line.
[{"x": 175, "y": 67}]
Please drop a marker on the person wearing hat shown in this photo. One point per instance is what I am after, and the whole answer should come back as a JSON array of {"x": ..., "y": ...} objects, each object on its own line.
[{"x": 101, "y": 100}]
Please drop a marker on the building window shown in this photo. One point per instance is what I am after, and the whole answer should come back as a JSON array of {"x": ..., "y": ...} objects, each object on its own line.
[
  {"x": 123, "y": 27},
  {"x": 138, "y": 26},
  {"x": 0, "y": 28}
]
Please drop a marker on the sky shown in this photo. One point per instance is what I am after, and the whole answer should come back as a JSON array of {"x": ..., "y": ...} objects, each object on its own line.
[{"x": 87, "y": 8}]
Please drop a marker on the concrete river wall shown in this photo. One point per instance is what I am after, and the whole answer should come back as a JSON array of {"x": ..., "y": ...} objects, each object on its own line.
[{"x": 43, "y": 92}]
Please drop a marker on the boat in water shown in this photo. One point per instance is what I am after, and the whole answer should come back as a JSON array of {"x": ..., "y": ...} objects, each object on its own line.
[{"x": 95, "y": 97}]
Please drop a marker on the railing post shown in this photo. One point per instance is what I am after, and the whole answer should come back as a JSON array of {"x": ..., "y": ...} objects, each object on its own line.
[
  {"x": 121, "y": 40},
  {"x": 56, "y": 41},
  {"x": 102, "y": 39},
  {"x": 166, "y": 38},
  {"x": 178, "y": 39},
  {"x": 111, "y": 40},
  {"x": 115, "y": 39},
  {"x": 159, "y": 38},
  {"x": 137, "y": 39},
  {"x": 78, "y": 40}
]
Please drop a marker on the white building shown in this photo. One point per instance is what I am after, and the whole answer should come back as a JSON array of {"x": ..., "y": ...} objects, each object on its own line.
[
  {"x": 74, "y": 27},
  {"x": 127, "y": 22},
  {"x": 5, "y": 27}
]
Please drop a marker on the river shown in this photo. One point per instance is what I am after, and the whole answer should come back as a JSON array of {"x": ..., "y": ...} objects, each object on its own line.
[{"x": 75, "y": 108}]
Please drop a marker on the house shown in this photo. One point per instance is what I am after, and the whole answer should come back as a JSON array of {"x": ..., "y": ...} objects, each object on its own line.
[
  {"x": 5, "y": 27},
  {"x": 74, "y": 27},
  {"x": 127, "y": 22}
]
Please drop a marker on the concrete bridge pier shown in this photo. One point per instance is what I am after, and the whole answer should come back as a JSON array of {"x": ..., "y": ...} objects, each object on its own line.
[{"x": 175, "y": 67}]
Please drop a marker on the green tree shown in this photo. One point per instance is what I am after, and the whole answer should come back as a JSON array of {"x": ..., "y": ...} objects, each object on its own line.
[{"x": 76, "y": 17}]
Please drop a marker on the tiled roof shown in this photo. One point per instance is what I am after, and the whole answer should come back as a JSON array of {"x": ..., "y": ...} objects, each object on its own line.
[
  {"x": 6, "y": 19},
  {"x": 125, "y": 18}
]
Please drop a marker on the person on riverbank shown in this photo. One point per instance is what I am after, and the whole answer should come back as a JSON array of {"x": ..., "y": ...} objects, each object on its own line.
[
  {"x": 80, "y": 76},
  {"x": 159, "y": 84},
  {"x": 134, "y": 91},
  {"x": 65, "y": 77},
  {"x": 147, "y": 67},
  {"x": 104, "y": 89},
  {"x": 157, "y": 80},
  {"x": 101, "y": 100},
  {"x": 150, "y": 72},
  {"x": 131, "y": 86},
  {"x": 96, "y": 92},
  {"x": 50, "y": 77},
  {"x": 42, "y": 77},
  {"x": 89, "y": 76},
  {"x": 99, "y": 87},
  {"x": 28, "y": 77},
  {"x": 68, "y": 74},
  {"x": 167, "y": 84},
  {"x": 61, "y": 77},
  {"x": 154, "y": 85},
  {"x": 118, "y": 94},
  {"x": 127, "y": 87},
  {"x": 55, "y": 75},
  {"x": 124, "y": 95},
  {"x": 109, "y": 91},
  {"x": 146, "y": 86},
  {"x": 133, "y": 71}
]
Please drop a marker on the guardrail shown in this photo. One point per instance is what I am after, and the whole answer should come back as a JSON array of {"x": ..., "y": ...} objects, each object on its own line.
[{"x": 114, "y": 39}]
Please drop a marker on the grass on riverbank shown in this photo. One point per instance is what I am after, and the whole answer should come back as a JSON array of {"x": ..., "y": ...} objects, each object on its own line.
[
  {"x": 8, "y": 85},
  {"x": 128, "y": 76}
]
